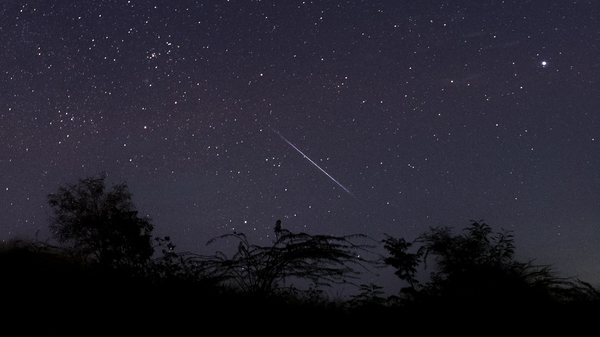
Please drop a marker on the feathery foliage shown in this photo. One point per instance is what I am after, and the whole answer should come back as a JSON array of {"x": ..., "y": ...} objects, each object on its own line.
[{"x": 405, "y": 263}]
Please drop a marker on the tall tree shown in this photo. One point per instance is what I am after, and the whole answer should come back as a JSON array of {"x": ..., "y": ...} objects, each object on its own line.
[{"x": 101, "y": 225}]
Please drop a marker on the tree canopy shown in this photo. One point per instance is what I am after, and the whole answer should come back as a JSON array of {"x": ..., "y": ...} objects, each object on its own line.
[{"x": 101, "y": 225}]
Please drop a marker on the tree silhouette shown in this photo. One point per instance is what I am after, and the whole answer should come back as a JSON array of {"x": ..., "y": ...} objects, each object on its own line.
[
  {"x": 477, "y": 269},
  {"x": 101, "y": 225},
  {"x": 478, "y": 247},
  {"x": 320, "y": 259},
  {"x": 471, "y": 265},
  {"x": 479, "y": 266}
]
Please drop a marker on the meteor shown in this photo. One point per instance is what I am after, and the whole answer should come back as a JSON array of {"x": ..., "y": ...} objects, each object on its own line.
[{"x": 312, "y": 162}]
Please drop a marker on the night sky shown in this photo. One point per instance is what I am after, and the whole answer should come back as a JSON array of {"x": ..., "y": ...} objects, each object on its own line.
[{"x": 411, "y": 114}]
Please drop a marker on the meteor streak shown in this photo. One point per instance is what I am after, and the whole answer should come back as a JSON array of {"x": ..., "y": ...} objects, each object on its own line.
[{"x": 312, "y": 162}]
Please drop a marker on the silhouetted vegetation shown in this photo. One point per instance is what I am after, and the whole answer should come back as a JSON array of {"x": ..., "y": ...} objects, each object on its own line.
[
  {"x": 100, "y": 225},
  {"x": 321, "y": 259},
  {"x": 476, "y": 274},
  {"x": 103, "y": 240},
  {"x": 405, "y": 263}
]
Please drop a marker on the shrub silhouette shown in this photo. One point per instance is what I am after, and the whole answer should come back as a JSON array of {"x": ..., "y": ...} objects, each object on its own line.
[
  {"x": 405, "y": 263},
  {"x": 321, "y": 259},
  {"x": 479, "y": 266},
  {"x": 101, "y": 225},
  {"x": 370, "y": 297},
  {"x": 476, "y": 270}
]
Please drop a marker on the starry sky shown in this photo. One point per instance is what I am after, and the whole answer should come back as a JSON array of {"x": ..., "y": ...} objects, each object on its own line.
[{"x": 337, "y": 117}]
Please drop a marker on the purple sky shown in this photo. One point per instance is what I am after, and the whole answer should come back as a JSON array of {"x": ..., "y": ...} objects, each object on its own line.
[{"x": 429, "y": 113}]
